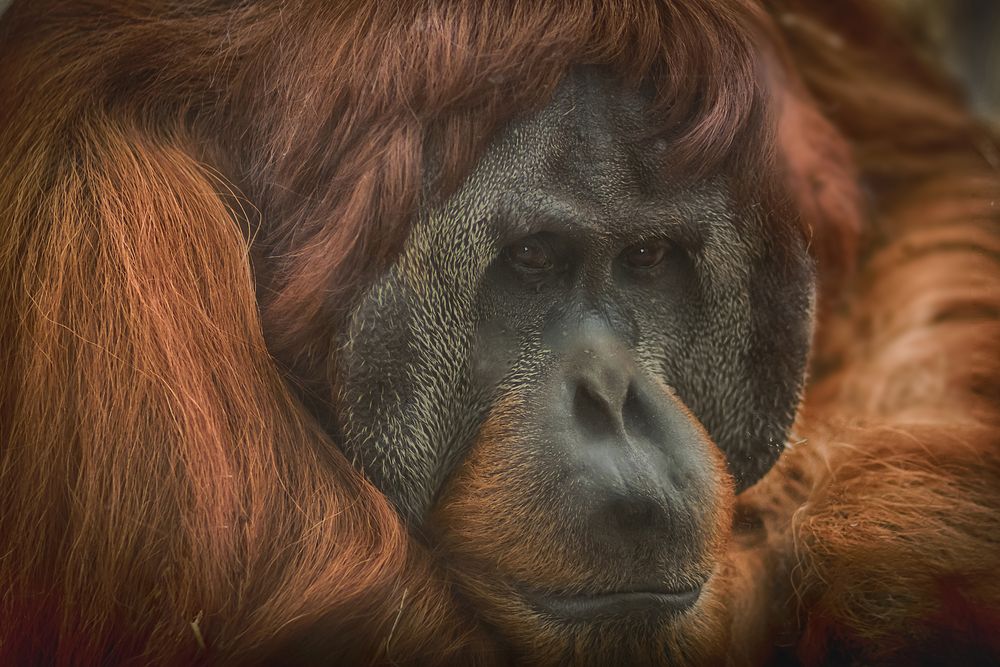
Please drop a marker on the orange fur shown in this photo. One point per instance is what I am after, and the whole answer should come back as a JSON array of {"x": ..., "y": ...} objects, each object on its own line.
[
  {"x": 885, "y": 519},
  {"x": 165, "y": 493},
  {"x": 494, "y": 525}
]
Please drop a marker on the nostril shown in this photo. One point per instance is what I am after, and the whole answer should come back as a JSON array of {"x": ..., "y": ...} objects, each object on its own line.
[
  {"x": 636, "y": 414},
  {"x": 591, "y": 412}
]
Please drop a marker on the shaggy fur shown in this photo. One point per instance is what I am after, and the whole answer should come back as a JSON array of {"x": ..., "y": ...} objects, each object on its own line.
[{"x": 192, "y": 194}]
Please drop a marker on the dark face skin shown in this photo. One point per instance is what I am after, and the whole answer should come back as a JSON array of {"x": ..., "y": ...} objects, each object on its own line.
[{"x": 624, "y": 327}]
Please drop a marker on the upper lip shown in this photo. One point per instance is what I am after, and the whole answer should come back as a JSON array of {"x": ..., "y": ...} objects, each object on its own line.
[{"x": 611, "y": 604}]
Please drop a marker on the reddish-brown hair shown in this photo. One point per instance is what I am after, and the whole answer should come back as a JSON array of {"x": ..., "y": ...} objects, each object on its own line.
[
  {"x": 881, "y": 524},
  {"x": 164, "y": 495}
]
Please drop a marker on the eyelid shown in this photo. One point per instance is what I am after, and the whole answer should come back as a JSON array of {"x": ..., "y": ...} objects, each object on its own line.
[
  {"x": 657, "y": 250},
  {"x": 549, "y": 255},
  {"x": 532, "y": 243}
]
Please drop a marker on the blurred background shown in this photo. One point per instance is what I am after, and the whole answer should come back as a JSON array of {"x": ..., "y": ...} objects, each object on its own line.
[{"x": 963, "y": 36}]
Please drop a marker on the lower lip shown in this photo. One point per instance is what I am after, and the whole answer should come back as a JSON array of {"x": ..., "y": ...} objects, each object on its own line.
[{"x": 615, "y": 605}]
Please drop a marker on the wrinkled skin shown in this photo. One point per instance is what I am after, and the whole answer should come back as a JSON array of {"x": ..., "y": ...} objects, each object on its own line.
[{"x": 600, "y": 341}]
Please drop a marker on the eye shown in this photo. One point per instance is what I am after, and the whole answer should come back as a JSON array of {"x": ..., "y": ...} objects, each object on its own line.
[
  {"x": 645, "y": 255},
  {"x": 531, "y": 255}
]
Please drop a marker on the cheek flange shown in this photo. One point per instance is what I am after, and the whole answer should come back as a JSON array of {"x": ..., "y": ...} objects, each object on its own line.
[{"x": 409, "y": 401}]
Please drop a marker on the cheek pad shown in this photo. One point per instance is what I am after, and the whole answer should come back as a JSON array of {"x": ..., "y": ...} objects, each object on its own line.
[{"x": 407, "y": 403}]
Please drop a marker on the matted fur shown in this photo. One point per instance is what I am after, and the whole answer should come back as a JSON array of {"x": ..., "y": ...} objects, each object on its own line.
[{"x": 166, "y": 497}]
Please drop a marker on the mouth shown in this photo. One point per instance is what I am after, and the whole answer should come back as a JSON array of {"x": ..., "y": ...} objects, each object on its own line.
[{"x": 590, "y": 607}]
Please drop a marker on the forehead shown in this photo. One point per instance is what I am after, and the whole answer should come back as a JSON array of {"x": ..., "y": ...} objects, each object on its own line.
[
  {"x": 589, "y": 164},
  {"x": 589, "y": 161},
  {"x": 593, "y": 136}
]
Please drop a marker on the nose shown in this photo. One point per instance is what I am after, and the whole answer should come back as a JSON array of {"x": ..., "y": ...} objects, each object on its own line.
[
  {"x": 637, "y": 455},
  {"x": 607, "y": 400}
]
